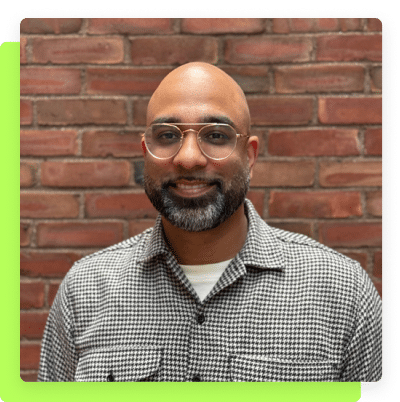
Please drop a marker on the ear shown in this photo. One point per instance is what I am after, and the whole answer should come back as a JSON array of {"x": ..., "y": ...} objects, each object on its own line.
[
  {"x": 144, "y": 149},
  {"x": 252, "y": 152}
]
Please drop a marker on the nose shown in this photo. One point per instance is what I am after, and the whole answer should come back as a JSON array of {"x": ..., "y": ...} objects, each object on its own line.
[{"x": 190, "y": 155}]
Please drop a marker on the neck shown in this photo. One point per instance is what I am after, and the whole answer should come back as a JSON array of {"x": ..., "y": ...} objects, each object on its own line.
[{"x": 211, "y": 246}]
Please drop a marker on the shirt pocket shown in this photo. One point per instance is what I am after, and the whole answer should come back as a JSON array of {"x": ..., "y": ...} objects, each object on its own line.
[
  {"x": 249, "y": 368},
  {"x": 119, "y": 364}
]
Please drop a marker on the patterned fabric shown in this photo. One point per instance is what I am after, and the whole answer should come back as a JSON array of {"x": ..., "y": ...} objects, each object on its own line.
[{"x": 286, "y": 309}]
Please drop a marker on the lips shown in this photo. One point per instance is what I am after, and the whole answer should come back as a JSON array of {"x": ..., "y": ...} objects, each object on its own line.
[
  {"x": 190, "y": 184},
  {"x": 191, "y": 188},
  {"x": 182, "y": 182}
]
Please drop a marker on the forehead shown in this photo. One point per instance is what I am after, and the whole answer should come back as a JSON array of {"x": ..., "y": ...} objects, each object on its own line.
[{"x": 192, "y": 96}]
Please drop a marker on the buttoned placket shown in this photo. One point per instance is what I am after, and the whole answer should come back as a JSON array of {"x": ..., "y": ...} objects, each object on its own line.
[{"x": 201, "y": 327}]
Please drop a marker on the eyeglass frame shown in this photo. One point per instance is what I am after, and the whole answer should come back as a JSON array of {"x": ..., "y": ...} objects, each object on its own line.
[{"x": 197, "y": 137}]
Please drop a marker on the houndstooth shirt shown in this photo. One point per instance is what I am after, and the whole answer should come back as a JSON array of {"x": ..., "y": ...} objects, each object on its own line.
[{"x": 286, "y": 309}]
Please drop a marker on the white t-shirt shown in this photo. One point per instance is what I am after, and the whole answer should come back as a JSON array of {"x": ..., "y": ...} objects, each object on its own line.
[{"x": 204, "y": 277}]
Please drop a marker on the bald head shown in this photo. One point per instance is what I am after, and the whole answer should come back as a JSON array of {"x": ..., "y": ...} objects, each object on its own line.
[{"x": 196, "y": 89}]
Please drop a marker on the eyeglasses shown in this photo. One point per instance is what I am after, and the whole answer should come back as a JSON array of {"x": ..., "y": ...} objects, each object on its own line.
[{"x": 216, "y": 141}]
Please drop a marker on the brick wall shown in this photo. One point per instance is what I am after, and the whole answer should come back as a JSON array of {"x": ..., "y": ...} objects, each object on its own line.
[{"x": 314, "y": 92}]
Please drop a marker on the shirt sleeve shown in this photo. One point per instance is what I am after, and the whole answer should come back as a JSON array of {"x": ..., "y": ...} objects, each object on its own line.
[
  {"x": 58, "y": 357},
  {"x": 363, "y": 358}
]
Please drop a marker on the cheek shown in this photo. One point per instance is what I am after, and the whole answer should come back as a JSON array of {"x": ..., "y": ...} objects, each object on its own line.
[
  {"x": 156, "y": 168},
  {"x": 158, "y": 172},
  {"x": 227, "y": 169}
]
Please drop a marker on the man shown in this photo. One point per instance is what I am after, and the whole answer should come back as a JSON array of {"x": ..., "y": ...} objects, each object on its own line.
[{"x": 211, "y": 293}]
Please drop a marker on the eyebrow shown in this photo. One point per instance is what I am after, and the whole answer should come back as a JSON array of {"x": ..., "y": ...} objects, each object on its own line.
[{"x": 206, "y": 119}]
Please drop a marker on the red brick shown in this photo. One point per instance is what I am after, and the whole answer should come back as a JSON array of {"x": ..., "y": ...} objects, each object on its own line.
[
  {"x": 367, "y": 110},
  {"x": 349, "y": 48},
  {"x": 364, "y": 234},
  {"x": 313, "y": 24},
  {"x": 374, "y": 203},
  {"x": 79, "y": 234},
  {"x": 81, "y": 111},
  {"x": 29, "y": 356},
  {"x": 86, "y": 174},
  {"x": 315, "y": 204},
  {"x": 378, "y": 286},
  {"x": 138, "y": 226},
  {"x": 172, "y": 50},
  {"x": 362, "y": 258},
  {"x": 130, "y": 26},
  {"x": 376, "y": 79},
  {"x": 326, "y": 24},
  {"x": 314, "y": 142},
  {"x": 287, "y": 25},
  {"x": 29, "y": 377},
  {"x": 49, "y": 265},
  {"x": 26, "y": 177},
  {"x": 302, "y": 24},
  {"x": 296, "y": 227},
  {"x": 22, "y": 47},
  {"x": 257, "y": 199},
  {"x": 282, "y": 174},
  {"x": 104, "y": 143},
  {"x": 139, "y": 111},
  {"x": 319, "y": 78},
  {"x": 25, "y": 234},
  {"x": 222, "y": 25},
  {"x": 50, "y": 25},
  {"x": 124, "y": 81},
  {"x": 258, "y": 50},
  {"x": 48, "y": 142},
  {"x": 281, "y": 25},
  {"x": 42, "y": 205},
  {"x": 32, "y": 325},
  {"x": 377, "y": 272},
  {"x": 50, "y": 80},
  {"x": 26, "y": 113},
  {"x": 349, "y": 174},
  {"x": 78, "y": 50},
  {"x": 32, "y": 295},
  {"x": 27, "y": 174},
  {"x": 122, "y": 205},
  {"x": 249, "y": 78},
  {"x": 373, "y": 141},
  {"x": 350, "y": 24},
  {"x": 374, "y": 24},
  {"x": 307, "y": 24},
  {"x": 280, "y": 110},
  {"x": 53, "y": 288}
]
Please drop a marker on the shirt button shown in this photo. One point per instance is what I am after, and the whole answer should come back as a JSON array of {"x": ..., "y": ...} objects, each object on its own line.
[
  {"x": 201, "y": 318},
  {"x": 196, "y": 378}
]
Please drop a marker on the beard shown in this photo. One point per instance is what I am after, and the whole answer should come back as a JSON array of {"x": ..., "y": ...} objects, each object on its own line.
[{"x": 201, "y": 213}]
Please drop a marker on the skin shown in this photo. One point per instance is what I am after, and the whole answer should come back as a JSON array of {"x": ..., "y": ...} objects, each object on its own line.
[{"x": 189, "y": 94}]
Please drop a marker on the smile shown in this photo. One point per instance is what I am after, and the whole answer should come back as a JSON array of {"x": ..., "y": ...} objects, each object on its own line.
[{"x": 191, "y": 190}]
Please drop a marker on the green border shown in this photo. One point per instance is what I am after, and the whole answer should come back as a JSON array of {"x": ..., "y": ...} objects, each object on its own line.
[{"x": 12, "y": 388}]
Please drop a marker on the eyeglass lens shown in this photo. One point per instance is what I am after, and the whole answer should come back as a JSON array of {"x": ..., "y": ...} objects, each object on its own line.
[{"x": 216, "y": 141}]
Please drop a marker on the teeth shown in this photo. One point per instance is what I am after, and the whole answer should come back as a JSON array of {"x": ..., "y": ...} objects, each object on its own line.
[{"x": 191, "y": 186}]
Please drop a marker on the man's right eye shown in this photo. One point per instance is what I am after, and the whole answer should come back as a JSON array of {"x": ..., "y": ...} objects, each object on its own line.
[{"x": 167, "y": 136}]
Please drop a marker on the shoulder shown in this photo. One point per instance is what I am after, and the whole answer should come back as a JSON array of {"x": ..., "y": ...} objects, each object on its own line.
[
  {"x": 111, "y": 261},
  {"x": 307, "y": 258},
  {"x": 317, "y": 272},
  {"x": 293, "y": 242}
]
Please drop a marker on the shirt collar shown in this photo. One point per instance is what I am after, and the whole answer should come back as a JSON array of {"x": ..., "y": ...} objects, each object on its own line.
[{"x": 262, "y": 248}]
